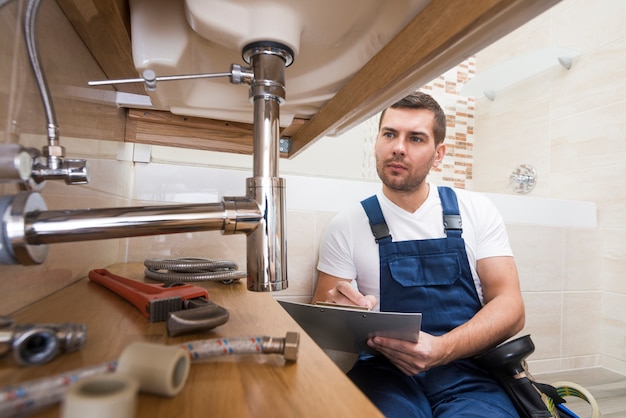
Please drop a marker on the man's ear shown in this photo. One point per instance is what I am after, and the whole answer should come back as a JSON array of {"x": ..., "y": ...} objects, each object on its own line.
[{"x": 440, "y": 152}]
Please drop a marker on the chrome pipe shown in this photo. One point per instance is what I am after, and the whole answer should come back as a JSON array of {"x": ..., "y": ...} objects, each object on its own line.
[
  {"x": 267, "y": 92},
  {"x": 57, "y": 226},
  {"x": 27, "y": 227},
  {"x": 267, "y": 244}
]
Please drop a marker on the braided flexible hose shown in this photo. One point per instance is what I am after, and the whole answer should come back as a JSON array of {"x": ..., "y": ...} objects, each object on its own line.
[
  {"x": 190, "y": 269},
  {"x": 24, "y": 398}
]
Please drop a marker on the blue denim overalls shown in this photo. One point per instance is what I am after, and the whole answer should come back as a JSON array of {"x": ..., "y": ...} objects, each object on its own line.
[{"x": 431, "y": 276}]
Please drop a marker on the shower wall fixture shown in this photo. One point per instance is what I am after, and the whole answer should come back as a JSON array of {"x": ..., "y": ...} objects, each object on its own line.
[{"x": 524, "y": 178}]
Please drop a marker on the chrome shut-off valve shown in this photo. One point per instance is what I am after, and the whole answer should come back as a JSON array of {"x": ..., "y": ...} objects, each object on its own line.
[
  {"x": 34, "y": 344},
  {"x": 22, "y": 165}
]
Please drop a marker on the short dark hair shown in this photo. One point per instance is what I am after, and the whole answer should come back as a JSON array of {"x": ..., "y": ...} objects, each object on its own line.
[{"x": 419, "y": 100}]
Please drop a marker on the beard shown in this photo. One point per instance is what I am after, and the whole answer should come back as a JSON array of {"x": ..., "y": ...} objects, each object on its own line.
[{"x": 406, "y": 182}]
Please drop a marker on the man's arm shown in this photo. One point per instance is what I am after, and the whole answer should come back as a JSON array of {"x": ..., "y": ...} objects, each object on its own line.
[
  {"x": 325, "y": 283},
  {"x": 501, "y": 317},
  {"x": 336, "y": 290}
]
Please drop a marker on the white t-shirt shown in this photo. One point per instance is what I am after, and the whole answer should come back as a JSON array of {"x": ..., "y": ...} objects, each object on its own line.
[{"x": 349, "y": 250}]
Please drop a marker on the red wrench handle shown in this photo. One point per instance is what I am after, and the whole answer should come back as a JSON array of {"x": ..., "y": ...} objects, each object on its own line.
[{"x": 148, "y": 298}]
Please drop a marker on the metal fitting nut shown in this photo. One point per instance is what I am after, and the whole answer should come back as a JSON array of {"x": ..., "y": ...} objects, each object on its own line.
[
  {"x": 292, "y": 342},
  {"x": 53, "y": 151}
]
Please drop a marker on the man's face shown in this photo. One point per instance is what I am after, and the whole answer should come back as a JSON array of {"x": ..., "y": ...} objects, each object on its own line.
[{"x": 405, "y": 148}]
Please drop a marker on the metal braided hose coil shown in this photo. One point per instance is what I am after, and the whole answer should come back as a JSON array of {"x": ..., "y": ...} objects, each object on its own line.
[{"x": 189, "y": 269}]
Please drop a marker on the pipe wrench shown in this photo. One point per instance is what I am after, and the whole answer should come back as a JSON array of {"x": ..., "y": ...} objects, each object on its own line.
[{"x": 186, "y": 307}]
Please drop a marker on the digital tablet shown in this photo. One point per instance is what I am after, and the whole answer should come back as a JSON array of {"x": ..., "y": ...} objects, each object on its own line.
[{"x": 348, "y": 328}]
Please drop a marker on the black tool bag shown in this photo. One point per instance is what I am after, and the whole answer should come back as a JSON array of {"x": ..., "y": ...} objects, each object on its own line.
[
  {"x": 532, "y": 399},
  {"x": 506, "y": 363}
]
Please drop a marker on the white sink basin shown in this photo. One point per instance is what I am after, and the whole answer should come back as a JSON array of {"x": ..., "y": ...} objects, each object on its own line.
[{"x": 331, "y": 40}]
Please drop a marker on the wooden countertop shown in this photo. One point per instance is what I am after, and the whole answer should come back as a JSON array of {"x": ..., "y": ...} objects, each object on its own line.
[{"x": 241, "y": 386}]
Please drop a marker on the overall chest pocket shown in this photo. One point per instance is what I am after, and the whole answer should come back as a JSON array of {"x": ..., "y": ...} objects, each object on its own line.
[{"x": 427, "y": 270}]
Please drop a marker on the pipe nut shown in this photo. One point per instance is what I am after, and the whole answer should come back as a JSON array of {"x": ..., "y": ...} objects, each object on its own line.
[
  {"x": 292, "y": 342},
  {"x": 53, "y": 151}
]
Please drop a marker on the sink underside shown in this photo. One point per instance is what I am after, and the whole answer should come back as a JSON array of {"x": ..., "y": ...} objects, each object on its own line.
[{"x": 331, "y": 41}]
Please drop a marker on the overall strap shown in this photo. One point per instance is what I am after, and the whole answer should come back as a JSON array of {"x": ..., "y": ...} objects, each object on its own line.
[
  {"x": 377, "y": 220},
  {"x": 451, "y": 214}
]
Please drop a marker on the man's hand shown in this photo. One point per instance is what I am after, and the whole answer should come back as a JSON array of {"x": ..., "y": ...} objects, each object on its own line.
[
  {"x": 411, "y": 358},
  {"x": 344, "y": 293}
]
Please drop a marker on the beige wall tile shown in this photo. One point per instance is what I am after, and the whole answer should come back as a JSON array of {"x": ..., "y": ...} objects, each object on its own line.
[
  {"x": 612, "y": 363},
  {"x": 582, "y": 259},
  {"x": 614, "y": 326},
  {"x": 582, "y": 333},
  {"x": 559, "y": 364},
  {"x": 543, "y": 323},
  {"x": 599, "y": 185},
  {"x": 590, "y": 139},
  {"x": 595, "y": 184},
  {"x": 570, "y": 17},
  {"x": 614, "y": 261},
  {"x": 539, "y": 256}
]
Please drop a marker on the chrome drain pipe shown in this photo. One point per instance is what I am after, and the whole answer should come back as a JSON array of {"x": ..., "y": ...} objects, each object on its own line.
[
  {"x": 52, "y": 227},
  {"x": 267, "y": 244},
  {"x": 28, "y": 227}
]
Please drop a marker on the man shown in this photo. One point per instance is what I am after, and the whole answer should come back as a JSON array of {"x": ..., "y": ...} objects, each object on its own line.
[{"x": 463, "y": 278}]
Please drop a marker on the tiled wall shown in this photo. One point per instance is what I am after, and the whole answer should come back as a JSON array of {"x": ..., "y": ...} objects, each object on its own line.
[
  {"x": 568, "y": 124},
  {"x": 457, "y": 165}
]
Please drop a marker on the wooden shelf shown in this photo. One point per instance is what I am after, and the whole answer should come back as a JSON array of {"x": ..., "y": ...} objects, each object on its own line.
[
  {"x": 164, "y": 128},
  {"x": 250, "y": 385}
]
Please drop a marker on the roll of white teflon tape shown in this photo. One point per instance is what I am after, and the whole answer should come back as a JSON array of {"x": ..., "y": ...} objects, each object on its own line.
[
  {"x": 160, "y": 369},
  {"x": 101, "y": 396}
]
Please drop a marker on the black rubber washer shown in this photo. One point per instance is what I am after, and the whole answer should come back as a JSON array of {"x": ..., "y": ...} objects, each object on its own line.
[{"x": 268, "y": 44}]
